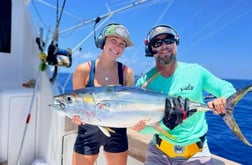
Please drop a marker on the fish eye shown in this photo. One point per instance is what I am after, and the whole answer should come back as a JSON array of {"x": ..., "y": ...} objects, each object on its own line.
[{"x": 68, "y": 99}]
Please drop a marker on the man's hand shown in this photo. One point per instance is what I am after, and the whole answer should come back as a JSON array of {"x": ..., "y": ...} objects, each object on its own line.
[
  {"x": 176, "y": 110},
  {"x": 218, "y": 105},
  {"x": 139, "y": 126}
]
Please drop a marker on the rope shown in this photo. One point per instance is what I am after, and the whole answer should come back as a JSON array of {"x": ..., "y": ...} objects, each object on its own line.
[{"x": 55, "y": 38}]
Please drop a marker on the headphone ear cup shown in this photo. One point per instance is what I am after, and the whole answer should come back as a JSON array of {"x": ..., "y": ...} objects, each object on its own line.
[
  {"x": 100, "y": 41},
  {"x": 177, "y": 40},
  {"x": 148, "y": 51},
  {"x": 97, "y": 43}
]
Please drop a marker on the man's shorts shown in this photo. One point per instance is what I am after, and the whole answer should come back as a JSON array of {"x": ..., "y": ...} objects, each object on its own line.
[{"x": 90, "y": 138}]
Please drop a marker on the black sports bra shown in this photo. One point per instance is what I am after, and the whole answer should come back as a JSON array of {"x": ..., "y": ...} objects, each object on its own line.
[{"x": 92, "y": 73}]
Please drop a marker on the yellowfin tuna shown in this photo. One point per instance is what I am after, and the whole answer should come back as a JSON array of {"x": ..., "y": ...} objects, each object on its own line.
[{"x": 121, "y": 106}]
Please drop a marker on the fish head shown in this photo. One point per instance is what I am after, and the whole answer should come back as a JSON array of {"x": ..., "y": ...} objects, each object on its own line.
[
  {"x": 61, "y": 102},
  {"x": 72, "y": 103}
]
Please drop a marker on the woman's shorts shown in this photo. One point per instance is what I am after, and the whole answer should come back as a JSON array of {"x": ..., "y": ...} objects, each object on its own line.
[{"x": 90, "y": 138}]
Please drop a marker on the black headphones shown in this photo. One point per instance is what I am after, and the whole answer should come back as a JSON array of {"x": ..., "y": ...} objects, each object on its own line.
[
  {"x": 100, "y": 40},
  {"x": 148, "y": 50}
]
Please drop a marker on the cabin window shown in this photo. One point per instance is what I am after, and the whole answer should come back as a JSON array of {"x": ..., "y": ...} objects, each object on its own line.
[{"x": 5, "y": 26}]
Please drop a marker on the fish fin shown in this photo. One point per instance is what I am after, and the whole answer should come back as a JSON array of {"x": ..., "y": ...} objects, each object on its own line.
[
  {"x": 89, "y": 99},
  {"x": 109, "y": 129},
  {"x": 106, "y": 130},
  {"x": 228, "y": 116},
  {"x": 158, "y": 128}
]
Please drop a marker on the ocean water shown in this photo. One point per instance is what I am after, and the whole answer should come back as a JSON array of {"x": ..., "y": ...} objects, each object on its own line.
[{"x": 221, "y": 140}]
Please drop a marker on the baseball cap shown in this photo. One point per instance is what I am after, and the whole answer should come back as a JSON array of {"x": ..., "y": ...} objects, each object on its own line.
[
  {"x": 119, "y": 31},
  {"x": 159, "y": 30}
]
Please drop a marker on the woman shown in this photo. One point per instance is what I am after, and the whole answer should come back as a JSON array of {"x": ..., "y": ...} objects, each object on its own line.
[{"x": 103, "y": 71}]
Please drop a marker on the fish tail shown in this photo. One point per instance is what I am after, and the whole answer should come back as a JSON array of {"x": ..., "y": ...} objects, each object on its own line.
[
  {"x": 237, "y": 96},
  {"x": 228, "y": 116}
]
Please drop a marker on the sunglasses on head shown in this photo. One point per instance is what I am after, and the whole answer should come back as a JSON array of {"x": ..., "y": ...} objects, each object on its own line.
[{"x": 159, "y": 42}]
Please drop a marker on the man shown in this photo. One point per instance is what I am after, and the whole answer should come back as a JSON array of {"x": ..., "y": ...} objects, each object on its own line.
[{"x": 187, "y": 143}]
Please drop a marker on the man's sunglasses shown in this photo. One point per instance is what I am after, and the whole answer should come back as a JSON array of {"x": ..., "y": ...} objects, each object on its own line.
[{"x": 158, "y": 43}]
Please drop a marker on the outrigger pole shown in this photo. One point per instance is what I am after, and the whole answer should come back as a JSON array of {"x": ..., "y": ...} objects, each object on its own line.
[{"x": 104, "y": 15}]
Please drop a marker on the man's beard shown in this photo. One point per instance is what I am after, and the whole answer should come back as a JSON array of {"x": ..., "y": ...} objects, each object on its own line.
[{"x": 166, "y": 60}]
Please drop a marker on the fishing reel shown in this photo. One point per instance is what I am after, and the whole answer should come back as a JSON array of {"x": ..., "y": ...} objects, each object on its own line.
[
  {"x": 55, "y": 57},
  {"x": 59, "y": 57}
]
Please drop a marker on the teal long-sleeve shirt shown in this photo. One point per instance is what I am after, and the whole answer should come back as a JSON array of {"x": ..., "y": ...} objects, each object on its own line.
[{"x": 190, "y": 80}]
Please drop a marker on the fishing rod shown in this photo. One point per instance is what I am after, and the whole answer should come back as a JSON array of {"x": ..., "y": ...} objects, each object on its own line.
[
  {"x": 53, "y": 51},
  {"x": 57, "y": 56},
  {"x": 41, "y": 47},
  {"x": 54, "y": 7}
]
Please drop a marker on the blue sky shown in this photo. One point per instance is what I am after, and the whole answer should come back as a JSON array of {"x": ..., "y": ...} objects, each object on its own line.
[{"x": 214, "y": 33}]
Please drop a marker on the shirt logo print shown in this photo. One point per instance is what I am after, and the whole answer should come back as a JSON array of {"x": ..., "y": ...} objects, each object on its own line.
[{"x": 188, "y": 87}]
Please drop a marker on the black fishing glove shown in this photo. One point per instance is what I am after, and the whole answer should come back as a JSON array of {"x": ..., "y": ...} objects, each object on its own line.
[{"x": 176, "y": 110}]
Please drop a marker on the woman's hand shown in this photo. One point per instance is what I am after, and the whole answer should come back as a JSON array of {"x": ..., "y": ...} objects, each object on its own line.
[{"x": 77, "y": 120}]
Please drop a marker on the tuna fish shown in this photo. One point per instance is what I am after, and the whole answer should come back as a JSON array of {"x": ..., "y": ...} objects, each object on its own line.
[{"x": 122, "y": 107}]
